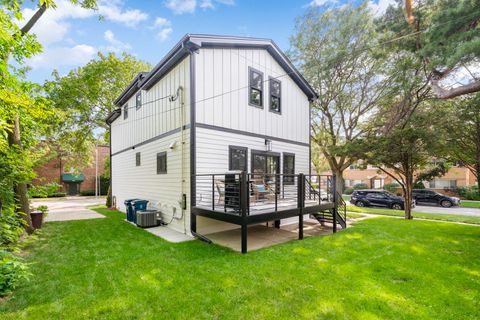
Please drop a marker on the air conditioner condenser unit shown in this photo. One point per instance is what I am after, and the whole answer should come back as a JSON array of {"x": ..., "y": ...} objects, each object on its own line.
[{"x": 147, "y": 218}]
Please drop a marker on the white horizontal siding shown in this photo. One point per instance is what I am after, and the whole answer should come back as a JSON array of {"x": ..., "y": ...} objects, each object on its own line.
[
  {"x": 163, "y": 191},
  {"x": 212, "y": 148},
  {"x": 157, "y": 114},
  {"x": 222, "y": 94}
]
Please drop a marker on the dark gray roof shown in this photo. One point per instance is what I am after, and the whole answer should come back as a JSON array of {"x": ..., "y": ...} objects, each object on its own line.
[{"x": 192, "y": 42}]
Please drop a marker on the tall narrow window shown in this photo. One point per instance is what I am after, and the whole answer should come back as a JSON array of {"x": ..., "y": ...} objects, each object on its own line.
[
  {"x": 137, "y": 159},
  {"x": 125, "y": 111},
  {"x": 162, "y": 162},
  {"x": 138, "y": 100},
  {"x": 275, "y": 95},
  {"x": 256, "y": 87},
  {"x": 237, "y": 158},
  {"x": 288, "y": 168}
]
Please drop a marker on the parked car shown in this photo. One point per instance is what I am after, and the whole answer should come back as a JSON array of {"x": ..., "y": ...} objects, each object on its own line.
[
  {"x": 425, "y": 196},
  {"x": 377, "y": 198}
]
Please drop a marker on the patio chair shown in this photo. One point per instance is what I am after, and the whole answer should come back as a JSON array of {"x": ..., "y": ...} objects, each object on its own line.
[
  {"x": 260, "y": 191},
  {"x": 220, "y": 186}
]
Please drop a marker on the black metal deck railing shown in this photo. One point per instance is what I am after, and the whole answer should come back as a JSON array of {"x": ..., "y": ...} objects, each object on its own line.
[
  {"x": 247, "y": 198},
  {"x": 255, "y": 193}
]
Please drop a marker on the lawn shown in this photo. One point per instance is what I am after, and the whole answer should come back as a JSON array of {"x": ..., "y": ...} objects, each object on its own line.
[
  {"x": 381, "y": 268},
  {"x": 421, "y": 215},
  {"x": 470, "y": 204}
]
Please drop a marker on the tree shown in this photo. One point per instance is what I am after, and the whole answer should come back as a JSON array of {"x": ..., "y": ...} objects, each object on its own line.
[
  {"x": 405, "y": 150},
  {"x": 450, "y": 42},
  {"x": 338, "y": 54},
  {"x": 463, "y": 127},
  {"x": 16, "y": 42}
]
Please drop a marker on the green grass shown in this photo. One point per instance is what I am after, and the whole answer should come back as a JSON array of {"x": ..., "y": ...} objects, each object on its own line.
[
  {"x": 421, "y": 215},
  {"x": 379, "y": 269},
  {"x": 470, "y": 204}
]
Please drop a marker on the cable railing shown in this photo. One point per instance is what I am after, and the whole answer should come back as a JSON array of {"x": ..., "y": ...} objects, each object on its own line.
[{"x": 241, "y": 193}]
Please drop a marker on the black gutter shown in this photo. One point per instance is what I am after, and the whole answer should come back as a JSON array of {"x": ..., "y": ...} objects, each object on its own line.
[{"x": 112, "y": 116}]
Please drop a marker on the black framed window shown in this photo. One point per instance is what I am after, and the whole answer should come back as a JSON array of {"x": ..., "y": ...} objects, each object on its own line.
[
  {"x": 237, "y": 158},
  {"x": 138, "y": 100},
  {"x": 125, "y": 111},
  {"x": 255, "y": 82},
  {"x": 137, "y": 159},
  {"x": 275, "y": 95},
  {"x": 162, "y": 162},
  {"x": 288, "y": 168}
]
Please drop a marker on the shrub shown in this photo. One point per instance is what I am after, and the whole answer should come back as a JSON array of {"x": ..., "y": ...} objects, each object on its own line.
[
  {"x": 469, "y": 193},
  {"x": 58, "y": 195},
  {"x": 12, "y": 271},
  {"x": 360, "y": 186},
  {"x": 45, "y": 191},
  {"x": 391, "y": 187},
  {"x": 87, "y": 192},
  {"x": 348, "y": 191}
]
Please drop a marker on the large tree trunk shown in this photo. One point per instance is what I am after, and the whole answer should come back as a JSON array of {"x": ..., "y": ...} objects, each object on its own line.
[
  {"x": 21, "y": 198},
  {"x": 408, "y": 195},
  {"x": 339, "y": 182}
]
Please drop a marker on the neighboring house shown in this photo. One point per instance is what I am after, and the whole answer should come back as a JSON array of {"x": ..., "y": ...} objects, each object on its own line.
[
  {"x": 214, "y": 104},
  {"x": 456, "y": 177},
  {"x": 71, "y": 181}
]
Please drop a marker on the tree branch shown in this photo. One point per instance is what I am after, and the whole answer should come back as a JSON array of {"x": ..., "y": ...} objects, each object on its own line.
[{"x": 26, "y": 28}]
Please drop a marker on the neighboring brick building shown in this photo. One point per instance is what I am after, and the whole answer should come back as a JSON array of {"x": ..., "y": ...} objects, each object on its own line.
[
  {"x": 374, "y": 178},
  {"x": 54, "y": 171}
]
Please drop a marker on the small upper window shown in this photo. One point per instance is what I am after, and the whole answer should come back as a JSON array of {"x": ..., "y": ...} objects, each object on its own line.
[
  {"x": 256, "y": 87},
  {"x": 275, "y": 95},
  {"x": 238, "y": 158},
  {"x": 125, "y": 111},
  {"x": 138, "y": 100},
  {"x": 137, "y": 159},
  {"x": 162, "y": 162}
]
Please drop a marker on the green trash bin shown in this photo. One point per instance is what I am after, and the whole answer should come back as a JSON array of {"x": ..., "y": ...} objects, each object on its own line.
[{"x": 130, "y": 209}]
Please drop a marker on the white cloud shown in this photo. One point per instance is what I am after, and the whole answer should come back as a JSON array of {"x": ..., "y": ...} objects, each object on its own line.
[
  {"x": 164, "y": 26},
  {"x": 112, "y": 11},
  {"x": 207, "y": 4},
  {"x": 318, "y": 3},
  {"x": 378, "y": 7},
  {"x": 114, "y": 45},
  {"x": 181, "y": 6},
  {"x": 63, "y": 56},
  {"x": 161, "y": 22},
  {"x": 164, "y": 34},
  {"x": 189, "y": 6}
]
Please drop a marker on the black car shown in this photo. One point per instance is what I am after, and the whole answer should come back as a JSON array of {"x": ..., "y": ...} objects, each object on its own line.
[
  {"x": 377, "y": 198},
  {"x": 424, "y": 196}
]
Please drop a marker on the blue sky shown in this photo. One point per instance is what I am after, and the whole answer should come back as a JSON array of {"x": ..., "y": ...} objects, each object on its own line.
[{"x": 71, "y": 36}]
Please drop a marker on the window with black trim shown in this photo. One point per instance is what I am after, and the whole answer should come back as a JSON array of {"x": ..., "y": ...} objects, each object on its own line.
[
  {"x": 125, "y": 111},
  {"x": 162, "y": 162},
  {"x": 255, "y": 83},
  {"x": 275, "y": 95},
  {"x": 237, "y": 158},
  {"x": 138, "y": 100},
  {"x": 137, "y": 159},
  {"x": 288, "y": 168}
]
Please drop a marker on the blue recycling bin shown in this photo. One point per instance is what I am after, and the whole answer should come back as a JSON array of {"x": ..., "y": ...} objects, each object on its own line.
[
  {"x": 138, "y": 205},
  {"x": 130, "y": 209}
]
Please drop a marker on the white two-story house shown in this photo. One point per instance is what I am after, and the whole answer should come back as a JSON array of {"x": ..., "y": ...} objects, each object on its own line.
[{"x": 217, "y": 134}]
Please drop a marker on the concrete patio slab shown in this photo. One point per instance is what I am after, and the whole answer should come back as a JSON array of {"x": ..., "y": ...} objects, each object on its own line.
[
  {"x": 169, "y": 234},
  {"x": 262, "y": 236}
]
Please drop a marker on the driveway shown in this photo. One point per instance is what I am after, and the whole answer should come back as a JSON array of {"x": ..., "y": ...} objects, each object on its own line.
[
  {"x": 70, "y": 208},
  {"x": 453, "y": 210}
]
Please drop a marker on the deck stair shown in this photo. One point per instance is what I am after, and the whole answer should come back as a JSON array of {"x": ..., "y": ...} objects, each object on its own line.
[{"x": 326, "y": 216}]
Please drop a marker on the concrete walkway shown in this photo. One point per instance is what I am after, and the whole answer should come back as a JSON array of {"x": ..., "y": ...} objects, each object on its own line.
[{"x": 70, "y": 208}]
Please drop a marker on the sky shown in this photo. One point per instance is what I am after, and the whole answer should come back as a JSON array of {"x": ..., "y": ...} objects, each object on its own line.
[{"x": 71, "y": 36}]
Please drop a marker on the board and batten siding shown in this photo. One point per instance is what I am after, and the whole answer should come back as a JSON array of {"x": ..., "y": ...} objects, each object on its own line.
[
  {"x": 150, "y": 130},
  {"x": 158, "y": 114},
  {"x": 221, "y": 78}
]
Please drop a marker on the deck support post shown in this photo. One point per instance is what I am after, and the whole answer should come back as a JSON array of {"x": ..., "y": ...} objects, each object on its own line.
[
  {"x": 335, "y": 204},
  {"x": 244, "y": 195},
  {"x": 244, "y": 237},
  {"x": 300, "y": 203}
]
